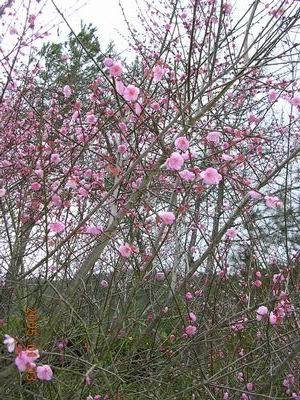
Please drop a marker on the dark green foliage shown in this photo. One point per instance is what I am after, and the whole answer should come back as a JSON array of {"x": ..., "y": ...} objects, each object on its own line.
[{"x": 83, "y": 65}]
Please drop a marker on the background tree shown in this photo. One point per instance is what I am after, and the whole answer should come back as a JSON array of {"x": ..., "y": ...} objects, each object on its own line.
[
  {"x": 74, "y": 62},
  {"x": 148, "y": 200}
]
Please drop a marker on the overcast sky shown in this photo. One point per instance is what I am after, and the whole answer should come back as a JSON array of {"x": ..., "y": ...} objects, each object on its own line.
[{"x": 106, "y": 15}]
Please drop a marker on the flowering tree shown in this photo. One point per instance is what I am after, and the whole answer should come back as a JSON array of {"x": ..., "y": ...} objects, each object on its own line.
[{"x": 140, "y": 219}]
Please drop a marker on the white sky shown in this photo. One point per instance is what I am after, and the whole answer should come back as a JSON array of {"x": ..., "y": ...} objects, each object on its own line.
[{"x": 106, "y": 15}]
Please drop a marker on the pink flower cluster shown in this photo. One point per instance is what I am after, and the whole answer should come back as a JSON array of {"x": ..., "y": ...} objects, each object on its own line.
[
  {"x": 126, "y": 250},
  {"x": 167, "y": 217},
  {"x": 26, "y": 360},
  {"x": 211, "y": 176}
]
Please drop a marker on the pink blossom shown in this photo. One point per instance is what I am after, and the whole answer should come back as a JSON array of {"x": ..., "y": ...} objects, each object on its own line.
[
  {"x": 272, "y": 95},
  {"x": 10, "y": 343},
  {"x": 240, "y": 376},
  {"x": 56, "y": 200},
  {"x": 261, "y": 312},
  {"x": 227, "y": 8},
  {"x": 254, "y": 194},
  {"x": 131, "y": 93},
  {"x": 213, "y": 137},
  {"x": 257, "y": 283},
  {"x": 2, "y": 192},
  {"x": 254, "y": 118},
  {"x": 31, "y": 20},
  {"x": 44, "y": 372},
  {"x": 88, "y": 381},
  {"x": 39, "y": 173},
  {"x": 158, "y": 73},
  {"x": 138, "y": 109},
  {"x": 182, "y": 143},
  {"x": 125, "y": 250},
  {"x": 231, "y": 233},
  {"x": 13, "y": 30},
  {"x": 190, "y": 330},
  {"x": 116, "y": 69},
  {"x": 108, "y": 62},
  {"x": 175, "y": 161},
  {"x": 276, "y": 12},
  {"x": 21, "y": 361},
  {"x": 192, "y": 317},
  {"x": 36, "y": 186},
  {"x": 186, "y": 155},
  {"x": 155, "y": 106},
  {"x": 65, "y": 57},
  {"x": 211, "y": 176},
  {"x": 273, "y": 201},
  {"x": 188, "y": 296},
  {"x": 289, "y": 381},
  {"x": 295, "y": 101},
  {"x": 278, "y": 278},
  {"x": 61, "y": 344},
  {"x": 238, "y": 326},
  {"x": 244, "y": 396},
  {"x": 249, "y": 386},
  {"x": 167, "y": 217},
  {"x": 187, "y": 175},
  {"x": 122, "y": 148},
  {"x": 26, "y": 359},
  {"x": 71, "y": 183},
  {"x": 104, "y": 284},
  {"x": 273, "y": 319},
  {"x": 57, "y": 226},
  {"x": 32, "y": 354},
  {"x": 55, "y": 158},
  {"x": 94, "y": 230},
  {"x": 258, "y": 274},
  {"x": 67, "y": 91},
  {"x": 123, "y": 127},
  {"x": 226, "y": 157},
  {"x": 91, "y": 119},
  {"x": 120, "y": 87},
  {"x": 82, "y": 192}
]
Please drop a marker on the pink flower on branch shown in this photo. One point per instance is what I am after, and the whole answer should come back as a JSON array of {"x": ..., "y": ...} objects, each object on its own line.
[
  {"x": 57, "y": 227},
  {"x": 273, "y": 201},
  {"x": 44, "y": 372},
  {"x": 261, "y": 312},
  {"x": 26, "y": 359},
  {"x": 167, "y": 217},
  {"x": 213, "y": 137},
  {"x": 131, "y": 93},
  {"x": 190, "y": 330},
  {"x": 182, "y": 143},
  {"x": 67, "y": 91},
  {"x": 158, "y": 73},
  {"x": 211, "y": 176},
  {"x": 187, "y": 175},
  {"x": 295, "y": 101},
  {"x": 10, "y": 343},
  {"x": 231, "y": 233},
  {"x": 125, "y": 250},
  {"x": 115, "y": 69},
  {"x": 175, "y": 162}
]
